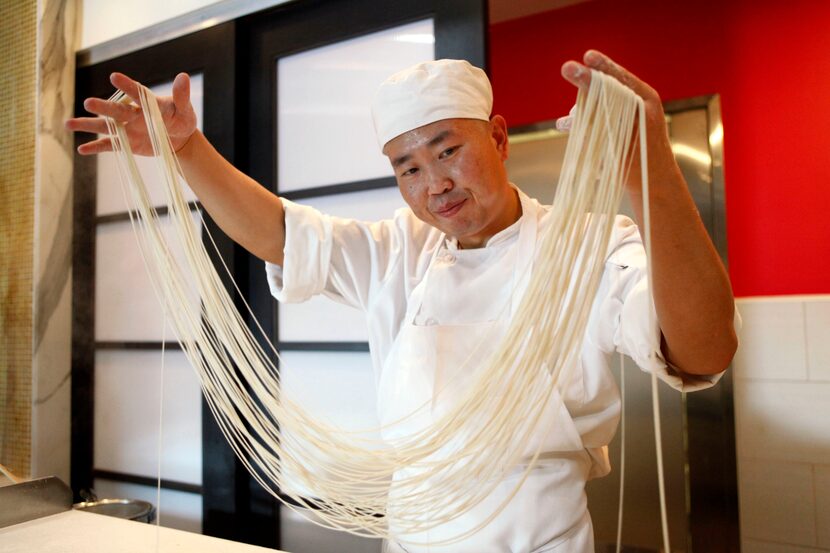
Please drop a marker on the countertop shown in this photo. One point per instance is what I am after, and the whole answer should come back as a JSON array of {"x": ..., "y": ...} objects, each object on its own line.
[{"x": 78, "y": 532}]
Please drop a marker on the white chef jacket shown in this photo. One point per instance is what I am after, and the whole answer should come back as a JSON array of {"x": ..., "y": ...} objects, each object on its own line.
[{"x": 375, "y": 267}]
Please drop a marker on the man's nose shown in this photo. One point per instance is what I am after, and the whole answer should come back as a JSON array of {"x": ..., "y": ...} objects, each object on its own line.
[{"x": 439, "y": 182}]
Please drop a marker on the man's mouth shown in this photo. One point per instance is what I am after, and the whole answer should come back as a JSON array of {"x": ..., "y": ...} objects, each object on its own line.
[{"x": 450, "y": 209}]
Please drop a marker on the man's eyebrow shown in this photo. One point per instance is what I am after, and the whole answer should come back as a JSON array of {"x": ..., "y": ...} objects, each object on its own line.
[
  {"x": 440, "y": 137},
  {"x": 401, "y": 160},
  {"x": 437, "y": 139}
]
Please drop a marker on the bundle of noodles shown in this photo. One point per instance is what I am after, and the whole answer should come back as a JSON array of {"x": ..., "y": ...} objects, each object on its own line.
[{"x": 427, "y": 477}]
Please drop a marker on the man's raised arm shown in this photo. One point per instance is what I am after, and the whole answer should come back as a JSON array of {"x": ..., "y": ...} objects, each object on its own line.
[
  {"x": 243, "y": 209},
  {"x": 692, "y": 294}
]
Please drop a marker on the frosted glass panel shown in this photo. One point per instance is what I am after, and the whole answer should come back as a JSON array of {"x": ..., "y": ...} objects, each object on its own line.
[
  {"x": 126, "y": 308},
  {"x": 338, "y": 387},
  {"x": 127, "y": 415},
  {"x": 321, "y": 319},
  {"x": 324, "y": 123},
  {"x": 368, "y": 205},
  {"x": 335, "y": 387},
  {"x": 109, "y": 197},
  {"x": 179, "y": 510}
]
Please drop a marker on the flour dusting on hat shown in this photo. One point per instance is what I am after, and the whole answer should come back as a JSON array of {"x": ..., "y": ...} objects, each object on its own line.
[{"x": 429, "y": 92}]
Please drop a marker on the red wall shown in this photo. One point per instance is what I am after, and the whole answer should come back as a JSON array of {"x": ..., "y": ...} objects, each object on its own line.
[{"x": 770, "y": 62}]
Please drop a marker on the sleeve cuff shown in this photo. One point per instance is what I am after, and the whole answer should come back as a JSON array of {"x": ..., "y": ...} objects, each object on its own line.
[
  {"x": 307, "y": 254},
  {"x": 640, "y": 338}
]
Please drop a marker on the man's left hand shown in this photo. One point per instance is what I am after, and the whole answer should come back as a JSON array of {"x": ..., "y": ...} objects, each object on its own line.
[{"x": 661, "y": 160}]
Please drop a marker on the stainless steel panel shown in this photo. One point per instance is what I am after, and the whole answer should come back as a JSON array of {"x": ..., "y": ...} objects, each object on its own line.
[{"x": 34, "y": 499}]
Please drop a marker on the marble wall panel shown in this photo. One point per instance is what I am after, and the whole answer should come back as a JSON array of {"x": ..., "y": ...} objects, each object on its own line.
[{"x": 59, "y": 30}]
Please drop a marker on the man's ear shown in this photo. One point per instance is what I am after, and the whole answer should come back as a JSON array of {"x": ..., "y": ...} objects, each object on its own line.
[{"x": 498, "y": 132}]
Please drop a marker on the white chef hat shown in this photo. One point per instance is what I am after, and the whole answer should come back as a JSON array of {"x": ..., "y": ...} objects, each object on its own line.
[{"x": 429, "y": 92}]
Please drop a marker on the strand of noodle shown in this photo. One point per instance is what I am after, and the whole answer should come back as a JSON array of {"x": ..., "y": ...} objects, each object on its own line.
[
  {"x": 655, "y": 397},
  {"x": 119, "y": 96},
  {"x": 622, "y": 454},
  {"x": 450, "y": 465},
  {"x": 161, "y": 433},
  {"x": 658, "y": 443}
]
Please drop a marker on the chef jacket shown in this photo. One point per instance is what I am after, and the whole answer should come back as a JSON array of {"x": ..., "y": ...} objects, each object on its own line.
[{"x": 376, "y": 267}]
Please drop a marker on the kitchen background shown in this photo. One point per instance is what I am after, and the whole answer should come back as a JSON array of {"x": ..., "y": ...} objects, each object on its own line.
[{"x": 768, "y": 60}]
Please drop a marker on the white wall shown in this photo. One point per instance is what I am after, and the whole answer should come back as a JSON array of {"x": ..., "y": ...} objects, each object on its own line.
[
  {"x": 105, "y": 20},
  {"x": 782, "y": 414}
]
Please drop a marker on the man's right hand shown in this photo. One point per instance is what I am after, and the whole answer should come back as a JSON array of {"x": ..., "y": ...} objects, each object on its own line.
[
  {"x": 176, "y": 110},
  {"x": 245, "y": 210}
]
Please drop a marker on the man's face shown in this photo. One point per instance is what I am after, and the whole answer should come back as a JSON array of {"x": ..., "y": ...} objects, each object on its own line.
[{"x": 452, "y": 175}]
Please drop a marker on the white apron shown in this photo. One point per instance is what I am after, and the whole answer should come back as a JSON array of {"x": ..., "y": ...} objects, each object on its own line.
[{"x": 549, "y": 513}]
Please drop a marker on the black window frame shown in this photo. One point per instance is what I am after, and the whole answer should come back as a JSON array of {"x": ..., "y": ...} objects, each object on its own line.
[{"x": 209, "y": 52}]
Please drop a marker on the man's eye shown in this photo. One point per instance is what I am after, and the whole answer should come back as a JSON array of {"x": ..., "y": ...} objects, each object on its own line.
[
  {"x": 409, "y": 172},
  {"x": 448, "y": 151}
]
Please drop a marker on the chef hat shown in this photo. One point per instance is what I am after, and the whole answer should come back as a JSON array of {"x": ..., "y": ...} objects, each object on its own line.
[{"x": 429, "y": 92}]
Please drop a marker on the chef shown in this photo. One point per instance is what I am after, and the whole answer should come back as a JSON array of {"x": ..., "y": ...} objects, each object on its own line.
[{"x": 453, "y": 266}]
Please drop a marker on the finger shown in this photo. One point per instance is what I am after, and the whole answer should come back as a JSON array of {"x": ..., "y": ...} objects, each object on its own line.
[
  {"x": 576, "y": 74},
  {"x": 117, "y": 110},
  {"x": 128, "y": 85},
  {"x": 181, "y": 92},
  {"x": 95, "y": 125},
  {"x": 599, "y": 61},
  {"x": 98, "y": 146},
  {"x": 564, "y": 124}
]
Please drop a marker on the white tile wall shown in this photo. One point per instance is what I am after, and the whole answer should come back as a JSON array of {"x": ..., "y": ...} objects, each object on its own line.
[
  {"x": 777, "y": 502},
  {"x": 767, "y": 325},
  {"x": 782, "y": 416},
  {"x": 817, "y": 317},
  {"x": 788, "y": 421}
]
